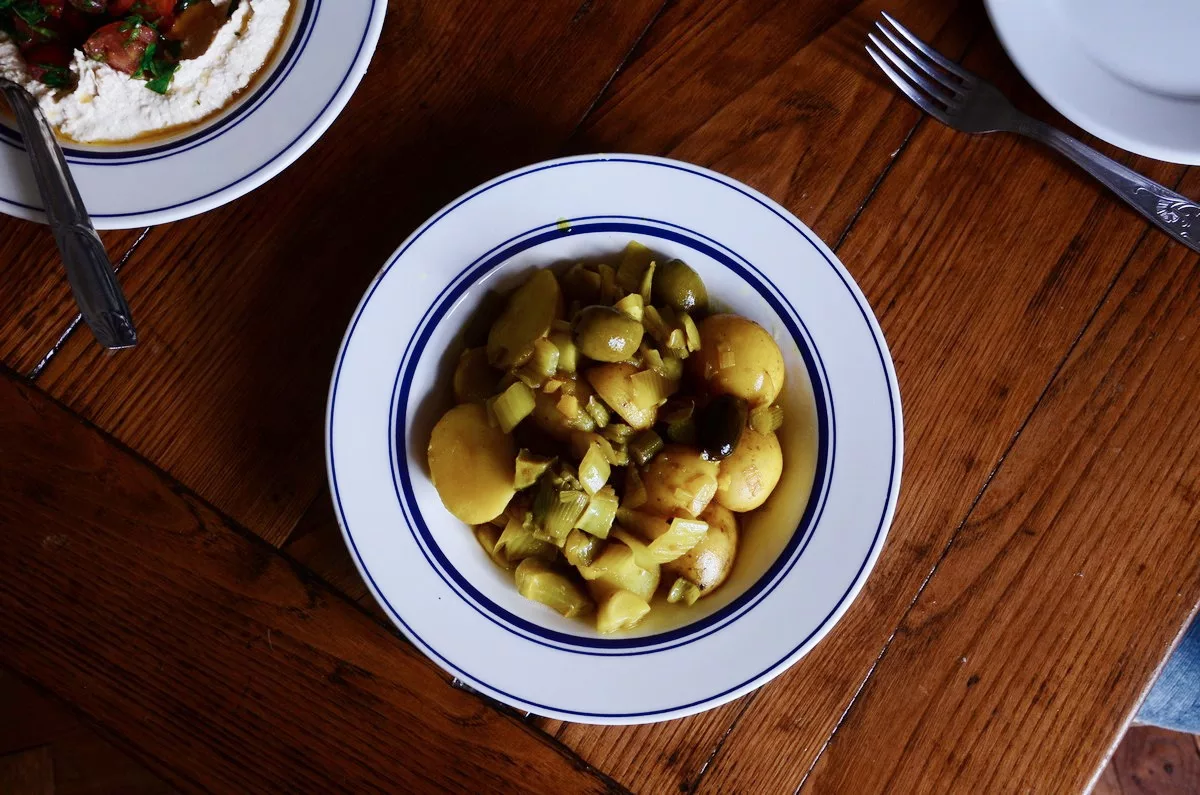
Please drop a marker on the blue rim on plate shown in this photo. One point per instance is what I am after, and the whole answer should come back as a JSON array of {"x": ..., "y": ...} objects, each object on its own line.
[{"x": 639, "y": 226}]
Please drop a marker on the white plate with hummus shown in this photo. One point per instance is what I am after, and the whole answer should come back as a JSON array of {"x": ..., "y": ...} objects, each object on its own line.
[{"x": 169, "y": 108}]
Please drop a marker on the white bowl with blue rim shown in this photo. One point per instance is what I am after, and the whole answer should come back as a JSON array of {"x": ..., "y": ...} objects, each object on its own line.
[
  {"x": 318, "y": 64},
  {"x": 831, "y": 511}
]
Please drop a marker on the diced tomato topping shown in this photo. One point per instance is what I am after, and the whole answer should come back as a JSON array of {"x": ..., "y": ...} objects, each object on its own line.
[
  {"x": 49, "y": 59},
  {"x": 121, "y": 45},
  {"x": 53, "y": 7},
  {"x": 89, "y": 6},
  {"x": 160, "y": 12}
]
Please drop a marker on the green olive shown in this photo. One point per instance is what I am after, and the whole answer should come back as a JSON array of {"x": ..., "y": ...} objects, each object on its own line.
[
  {"x": 680, "y": 287},
  {"x": 604, "y": 334}
]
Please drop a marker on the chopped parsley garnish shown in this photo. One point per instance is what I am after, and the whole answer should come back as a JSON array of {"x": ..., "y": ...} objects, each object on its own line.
[
  {"x": 57, "y": 76},
  {"x": 158, "y": 66}
]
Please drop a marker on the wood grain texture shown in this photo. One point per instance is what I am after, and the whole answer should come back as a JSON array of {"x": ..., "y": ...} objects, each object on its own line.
[
  {"x": 242, "y": 309},
  {"x": 216, "y": 656},
  {"x": 1152, "y": 761},
  {"x": 35, "y": 302},
  {"x": 27, "y": 772},
  {"x": 983, "y": 258},
  {"x": 1056, "y": 603},
  {"x": 83, "y": 762},
  {"x": 815, "y": 131}
]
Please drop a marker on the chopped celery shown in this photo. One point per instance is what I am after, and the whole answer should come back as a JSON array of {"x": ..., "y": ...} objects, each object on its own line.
[
  {"x": 568, "y": 354},
  {"x": 641, "y": 552},
  {"x": 527, "y": 376},
  {"x": 690, "y": 332},
  {"x": 683, "y": 591},
  {"x": 635, "y": 261},
  {"x": 645, "y": 446},
  {"x": 649, "y": 389},
  {"x": 594, "y": 469},
  {"x": 643, "y": 524},
  {"x": 683, "y": 535},
  {"x": 487, "y": 535},
  {"x": 552, "y": 385},
  {"x": 580, "y": 549},
  {"x": 512, "y": 405},
  {"x": 655, "y": 324},
  {"x": 620, "y": 610},
  {"x": 517, "y": 543},
  {"x": 616, "y": 566},
  {"x": 598, "y": 411},
  {"x": 635, "y": 489},
  {"x": 545, "y": 357},
  {"x": 537, "y": 581},
  {"x": 563, "y": 515},
  {"x": 631, "y": 306},
  {"x": 766, "y": 419},
  {"x": 529, "y": 468},
  {"x": 598, "y": 518},
  {"x": 609, "y": 291},
  {"x": 677, "y": 343},
  {"x": 647, "y": 281}
]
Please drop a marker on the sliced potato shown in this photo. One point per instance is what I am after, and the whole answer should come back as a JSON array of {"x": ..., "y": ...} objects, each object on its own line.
[
  {"x": 615, "y": 385},
  {"x": 738, "y": 357},
  {"x": 473, "y": 464},
  {"x": 474, "y": 379},
  {"x": 527, "y": 318},
  {"x": 679, "y": 482},
  {"x": 710, "y": 561},
  {"x": 620, "y": 610},
  {"x": 751, "y": 472}
]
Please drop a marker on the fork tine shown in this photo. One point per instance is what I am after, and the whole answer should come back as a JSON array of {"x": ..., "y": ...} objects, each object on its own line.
[
  {"x": 920, "y": 62},
  {"x": 916, "y": 96},
  {"x": 918, "y": 80},
  {"x": 932, "y": 54}
]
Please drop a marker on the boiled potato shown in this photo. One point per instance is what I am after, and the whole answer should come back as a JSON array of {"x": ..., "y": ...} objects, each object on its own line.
[
  {"x": 710, "y": 561},
  {"x": 613, "y": 384},
  {"x": 679, "y": 482},
  {"x": 738, "y": 357},
  {"x": 527, "y": 317},
  {"x": 751, "y": 472},
  {"x": 472, "y": 464},
  {"x": 549, "y": 418},
  {"x": 474, "y": 379}
]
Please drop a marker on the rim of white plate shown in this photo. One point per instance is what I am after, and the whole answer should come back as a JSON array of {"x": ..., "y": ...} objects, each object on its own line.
[
  {"x": 319, "y": 67},
  {"x": 365, "y": 442},
  {"x": 1050, "y": 59}
]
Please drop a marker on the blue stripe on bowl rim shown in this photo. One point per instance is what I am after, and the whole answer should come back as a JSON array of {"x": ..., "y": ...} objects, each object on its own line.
[
  {"x": 773, "y": 668},
  {"x": 206, "y": 132},
  {"x": 375, "y": 6},
  {"x": 646, "y": 229}
]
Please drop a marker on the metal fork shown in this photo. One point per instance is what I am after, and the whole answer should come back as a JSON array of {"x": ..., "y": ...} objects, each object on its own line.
[{"x": 966, "y": 102}]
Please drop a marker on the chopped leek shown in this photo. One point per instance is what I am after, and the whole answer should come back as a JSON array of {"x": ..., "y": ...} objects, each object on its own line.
[
  {"x": 677, "y": 343},
  {"x": 512, "y": 405},
  {"x": 568, "y": 354},
  {"x": 537, "y": 581},
  {"x": 552, "y": 385},
  {"x": 529, "y": 468},
  {"x": 644, "y": 525},
  {"x": 690, "y": 332},
  {"x": 581, "y": 282},
  {"x": 620, "y": 610},
  {"x": 683, "y": 591},
  {"x": 487, "y": 535},
  {"x": 635, "y": 261},
  {"x": 641, "y": 552},
  {"x": 655, "y": 324},
  {"x": 563, "y": 515},
  {"x": 598, "y": 518},
  {"x": 580, "y": 549},
  {"x": 594, "y": 469},
  {"x": 517, "y": 543},
  {"x": 647, "y": 281},
  {"x": 649, "y": 389},
  {"x": 645, "y": 446},
  {"x": 545, "y": 357},
  {"x": 683, "y": 535},
  {"x": 766, "y": 419},
  {"x": 616, "y": 566},
  {"x": 617, "y": 432},
  {"x": 631, "y": 306},
  {"x": 598, "y": 411},
  {"x": 609, "y": 291},
  {"x": 568, "y": 405}
]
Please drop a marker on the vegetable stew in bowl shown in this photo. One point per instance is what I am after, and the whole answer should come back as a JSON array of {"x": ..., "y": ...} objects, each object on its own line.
[{"x": 612, "y": 437}]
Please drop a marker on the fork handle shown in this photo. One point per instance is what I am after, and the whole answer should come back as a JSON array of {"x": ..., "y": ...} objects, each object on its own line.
[{"x": 1174, "y": 214}]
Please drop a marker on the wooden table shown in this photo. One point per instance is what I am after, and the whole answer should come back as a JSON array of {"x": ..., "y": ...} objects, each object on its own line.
[{"x": 171, "y": 566}]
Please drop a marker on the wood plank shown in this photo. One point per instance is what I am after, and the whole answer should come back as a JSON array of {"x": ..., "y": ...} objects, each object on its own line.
[
  {"x": 36, "y": 304},
  {"x": 242, "y": 309},
  {"x": 27, "y": 773},
  {"x": 1024, "y": 658},
  {"x": 814, "y": 130},
  {"x": 983, "y": 258},
  {"x": 216, "y": 656},
  {"x": 84, "y": 763},
  {"x": 1152, "y": 761}
]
